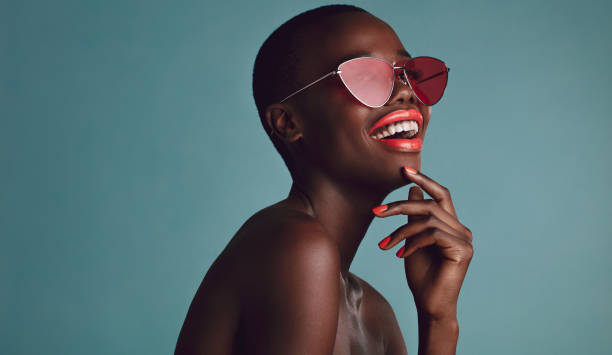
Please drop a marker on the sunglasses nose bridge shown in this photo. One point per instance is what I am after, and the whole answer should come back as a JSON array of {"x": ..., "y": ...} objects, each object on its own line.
[
  {"x": 407, "y": 93},
  {"x": 400, "y": 73}
]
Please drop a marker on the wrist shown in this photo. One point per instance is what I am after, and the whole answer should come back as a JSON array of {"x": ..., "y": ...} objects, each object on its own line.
[
  {"x": 444, "y": 316},
  {"x": 438, "y": 335},
  {"x": 449, "y": 325}
]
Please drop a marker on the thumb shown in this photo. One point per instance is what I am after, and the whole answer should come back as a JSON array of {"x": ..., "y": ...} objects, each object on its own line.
[{"x": 415, "y": 194}]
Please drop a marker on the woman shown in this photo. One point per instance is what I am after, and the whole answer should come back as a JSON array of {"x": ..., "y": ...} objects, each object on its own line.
[{"x": 336, "y": 91}]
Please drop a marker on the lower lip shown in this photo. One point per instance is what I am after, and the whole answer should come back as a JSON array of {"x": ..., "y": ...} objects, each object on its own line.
[{"x": 405, "y": 145}]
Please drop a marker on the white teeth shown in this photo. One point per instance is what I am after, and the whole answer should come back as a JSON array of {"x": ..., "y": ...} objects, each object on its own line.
[{"x": 396, "y": 127}]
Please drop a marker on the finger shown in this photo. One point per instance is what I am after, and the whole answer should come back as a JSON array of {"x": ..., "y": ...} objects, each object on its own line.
[
  {"x": 454, "y": 249},
  {"x": 415, "y": 194},
  {"x": 421, "y": 208},
  {"x": 411, "y": 229},
  {"x": 439, "y": 193}
]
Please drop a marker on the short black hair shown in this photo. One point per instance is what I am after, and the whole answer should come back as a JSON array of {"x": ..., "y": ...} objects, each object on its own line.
[{"x": 274, "y": 72}]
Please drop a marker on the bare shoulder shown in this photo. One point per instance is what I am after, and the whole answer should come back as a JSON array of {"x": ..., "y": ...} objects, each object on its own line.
[
  {"x": 293, "y": 244},
  {"x": 380, "y": 315},
  {"x": 273, "y": 234},
  {"x": 291, "y": 294},
  {"x": 266, "y": 290}
]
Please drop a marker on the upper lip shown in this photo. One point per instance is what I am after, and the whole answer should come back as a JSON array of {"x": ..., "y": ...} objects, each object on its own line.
[{"x": 398, "y": 115}]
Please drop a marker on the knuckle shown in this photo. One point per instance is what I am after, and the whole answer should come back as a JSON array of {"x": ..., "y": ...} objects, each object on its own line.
[
  {"x": 468, "y": 232},
  {"x": 431, "y": 220},
  {"x": 435, "y": 231},
  {"x": 445, "y": 191},
  {"x": 398, "y": 233},
  {"x": 428, "y": 232},
  {"x": 470, "y": 252}
]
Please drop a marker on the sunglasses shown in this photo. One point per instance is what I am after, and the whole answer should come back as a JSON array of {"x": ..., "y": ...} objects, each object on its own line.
[{"x": 370, "y": 80}]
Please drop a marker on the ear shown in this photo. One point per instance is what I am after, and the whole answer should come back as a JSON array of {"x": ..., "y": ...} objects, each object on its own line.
[{"x": 282, "y": 123}]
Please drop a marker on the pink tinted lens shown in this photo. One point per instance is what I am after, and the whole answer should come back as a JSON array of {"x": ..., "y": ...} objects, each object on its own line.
[
  {"x": 370, "y": 80},
  {"x": 428, "y": 77}
]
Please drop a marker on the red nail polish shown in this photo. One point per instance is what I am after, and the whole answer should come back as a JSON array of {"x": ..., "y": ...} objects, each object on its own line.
[
  {"x": 400, "y": 252},
  {"x": 410, "y": 170},
  {"x": 383, "y": 243},
  {"x": 379, "y": 209}
]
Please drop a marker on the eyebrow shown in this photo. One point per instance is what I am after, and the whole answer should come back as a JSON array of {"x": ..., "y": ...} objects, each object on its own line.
[
  {"x": 404, "y": 53},
  {"x": 356, "y": 55},
  {"x": 401, "y": 52}
]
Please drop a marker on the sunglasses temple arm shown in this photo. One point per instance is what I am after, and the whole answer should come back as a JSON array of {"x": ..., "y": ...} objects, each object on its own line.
[
  {"x": 433, "y": 76},
  {"x": 309, "y": 85}
]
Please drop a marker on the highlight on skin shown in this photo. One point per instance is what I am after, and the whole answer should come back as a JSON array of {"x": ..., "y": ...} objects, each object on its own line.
[{"x": 283, "y": 284}]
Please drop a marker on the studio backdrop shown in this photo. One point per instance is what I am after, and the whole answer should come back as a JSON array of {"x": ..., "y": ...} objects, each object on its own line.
[{"x": 131, "y": 152}]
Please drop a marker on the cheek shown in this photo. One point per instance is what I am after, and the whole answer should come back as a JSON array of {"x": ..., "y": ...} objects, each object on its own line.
[
  {"x": 334, "y": 130},
  {"x": 335, "y": 140},
  {"x": 345, "y": 131},
  {"x": 324, "y": 138}
]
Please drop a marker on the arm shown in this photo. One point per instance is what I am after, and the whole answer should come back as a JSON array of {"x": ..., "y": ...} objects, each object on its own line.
[
  {"x": 437, "y": 336},
  {"x": 296, "y": 306},
  {"x": 437, "y": 252}
]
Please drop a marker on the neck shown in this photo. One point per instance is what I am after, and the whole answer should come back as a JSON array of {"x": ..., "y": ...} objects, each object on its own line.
[{"x": 344, "y": 211}]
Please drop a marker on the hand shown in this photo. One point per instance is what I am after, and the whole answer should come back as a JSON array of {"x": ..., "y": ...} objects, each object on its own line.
[{"x": 437, "y": 250}]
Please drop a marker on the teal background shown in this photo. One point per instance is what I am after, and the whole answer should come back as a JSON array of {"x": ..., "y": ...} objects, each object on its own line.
[{"x": 131, "y": 152}]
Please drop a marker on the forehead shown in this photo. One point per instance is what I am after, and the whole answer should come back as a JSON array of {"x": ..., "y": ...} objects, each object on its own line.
[{"x": 348, "y": 36}]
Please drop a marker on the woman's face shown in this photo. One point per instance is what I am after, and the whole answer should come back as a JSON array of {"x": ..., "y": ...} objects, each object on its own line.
[{"x": 335, "y": 125}]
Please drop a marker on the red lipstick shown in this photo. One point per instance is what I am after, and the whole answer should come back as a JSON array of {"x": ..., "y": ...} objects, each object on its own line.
[{"x": 404, "y": 144}]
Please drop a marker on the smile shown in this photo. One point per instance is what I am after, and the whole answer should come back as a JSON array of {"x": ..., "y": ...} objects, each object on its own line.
[{"x": 399, "y": 129}]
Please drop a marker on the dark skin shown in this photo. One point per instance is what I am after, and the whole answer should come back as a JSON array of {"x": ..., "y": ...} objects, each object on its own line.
[{"x": 282, "y": 285}]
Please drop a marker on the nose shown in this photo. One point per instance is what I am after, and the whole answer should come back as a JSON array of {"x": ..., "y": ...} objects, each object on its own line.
[{"x": 402, "y": 93}]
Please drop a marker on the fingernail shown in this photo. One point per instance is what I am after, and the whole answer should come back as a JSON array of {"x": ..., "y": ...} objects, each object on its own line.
[
  {"x": 400, "y": 252},
  {"x": 410, "y": 170},
  {"x": 383, "y": 243},
  {"x": 379, "y": 209}
]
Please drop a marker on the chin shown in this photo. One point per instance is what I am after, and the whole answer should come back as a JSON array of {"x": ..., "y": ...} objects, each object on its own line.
[
  {"x": 390, "y": 181},
  {"x": 414, "y": 163},
  {"x": 397, "y": 178}
]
